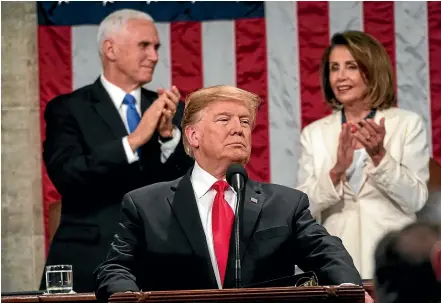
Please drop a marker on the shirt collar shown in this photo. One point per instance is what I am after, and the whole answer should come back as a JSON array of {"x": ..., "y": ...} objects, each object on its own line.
[
  {"x": 371, "y": 115},
  {"x": 201, "y": 180},
  {"x": 117, "y": 94}
]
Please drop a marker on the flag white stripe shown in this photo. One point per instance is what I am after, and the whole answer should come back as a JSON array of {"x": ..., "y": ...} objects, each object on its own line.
[
  {"x": 412, "y": 60},
  {"x": 345, "y": 15},
  {"x": 218, "y": 53},
  {"x": 86, "y": 62},
  {"x": 283, "y": 91},
  {"x": 162, "y": 75}
]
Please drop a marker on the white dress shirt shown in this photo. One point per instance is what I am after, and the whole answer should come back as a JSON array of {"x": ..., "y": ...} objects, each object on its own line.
[
  {"x": 117, "y": 95},
  {"x": 202, "y": 182}
]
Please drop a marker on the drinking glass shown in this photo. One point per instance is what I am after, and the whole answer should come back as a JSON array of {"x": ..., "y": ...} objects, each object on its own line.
[{"x": 59, "y": 279}]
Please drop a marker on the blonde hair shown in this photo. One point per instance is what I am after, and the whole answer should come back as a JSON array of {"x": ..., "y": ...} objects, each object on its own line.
[
  {"x": 197, "y": 102},
  {"x": 374, "y": 64}
]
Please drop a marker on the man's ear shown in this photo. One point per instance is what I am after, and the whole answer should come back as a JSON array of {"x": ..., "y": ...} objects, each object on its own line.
[
  {"x": 108, "y": 49},
  {"x": 193, "y": 135}
]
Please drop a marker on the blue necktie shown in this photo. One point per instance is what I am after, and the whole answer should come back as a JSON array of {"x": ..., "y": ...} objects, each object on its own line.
[{"x": 132, "y": 115}]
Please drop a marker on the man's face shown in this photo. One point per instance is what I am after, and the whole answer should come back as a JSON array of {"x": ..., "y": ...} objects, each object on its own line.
[
  {"x": 136, "y": 51},
  {"x": 223, "y": 135}
]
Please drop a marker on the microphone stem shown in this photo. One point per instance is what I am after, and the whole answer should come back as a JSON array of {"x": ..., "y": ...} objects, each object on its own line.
[{"x": 237, "y": 265}]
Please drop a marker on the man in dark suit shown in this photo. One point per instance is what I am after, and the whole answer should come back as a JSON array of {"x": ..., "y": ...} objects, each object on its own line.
[
  {"x": 176, "y": 235},
  {"x": 108, "y": 138}
]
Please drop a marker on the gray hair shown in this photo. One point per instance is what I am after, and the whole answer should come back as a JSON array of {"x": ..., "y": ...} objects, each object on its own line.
[{"x": 116, "y": 22}]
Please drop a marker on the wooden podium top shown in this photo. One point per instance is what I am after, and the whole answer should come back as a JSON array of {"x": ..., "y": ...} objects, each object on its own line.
[
  {"x": 353, "y": 294},
  {"x": 83, "y": 297},
  {"x": 347, "y": 294}
]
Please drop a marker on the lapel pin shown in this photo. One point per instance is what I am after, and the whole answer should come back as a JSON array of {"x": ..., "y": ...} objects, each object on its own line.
[{"x": 254, "y": 200}]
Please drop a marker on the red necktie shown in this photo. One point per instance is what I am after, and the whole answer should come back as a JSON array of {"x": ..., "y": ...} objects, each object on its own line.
[{"x": 222, "y": 218}]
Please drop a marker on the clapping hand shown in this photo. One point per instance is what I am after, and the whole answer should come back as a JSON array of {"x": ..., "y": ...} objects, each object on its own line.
[
  {"x": 371, "y": 136},
  {"x": 345, "y": 153},
  {"x": 171, "y": 99},
  {"x": 346, "y": 146}
]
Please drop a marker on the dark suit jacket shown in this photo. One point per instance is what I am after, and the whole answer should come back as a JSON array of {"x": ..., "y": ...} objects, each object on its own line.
[
  {"x": 85, "y": 160},
  {"x": 161, "y": 245}
]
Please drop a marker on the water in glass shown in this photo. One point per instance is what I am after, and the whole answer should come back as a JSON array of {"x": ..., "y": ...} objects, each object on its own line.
[{"x": 59, "y": 279}]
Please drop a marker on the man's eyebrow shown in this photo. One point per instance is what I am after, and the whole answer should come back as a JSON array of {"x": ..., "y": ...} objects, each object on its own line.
[
  {"x": 231, "y": 114},
  {"x": 224, "y": 113}
]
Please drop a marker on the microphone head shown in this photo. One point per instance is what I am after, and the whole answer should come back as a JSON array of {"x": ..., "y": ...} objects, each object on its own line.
[{"x": 236, "y": 168}]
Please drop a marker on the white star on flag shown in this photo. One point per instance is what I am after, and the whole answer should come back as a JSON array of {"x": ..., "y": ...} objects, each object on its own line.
[{"x": 105, "y": 2}]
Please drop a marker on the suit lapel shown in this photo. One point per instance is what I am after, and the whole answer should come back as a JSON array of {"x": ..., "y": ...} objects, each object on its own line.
[
  {"x": 106, "y": 110},
  {"x": 390, "y": 123},
  {"x": 252, "y": 206},
  {"x": 331, "y": 133},
  {"x": 183, "y": 203}
]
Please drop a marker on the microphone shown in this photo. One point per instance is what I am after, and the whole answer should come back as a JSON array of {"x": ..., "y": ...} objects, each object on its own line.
[{"x": 237, "y": 178}]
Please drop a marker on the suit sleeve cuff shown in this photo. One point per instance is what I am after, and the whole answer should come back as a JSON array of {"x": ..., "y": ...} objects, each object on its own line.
[
  {"x": 130, "y": 155},
  {"x": 384, "y": 171},
  {"x": 334, "y": 192},
  {"x": 123, "y": 286},
  {"x": 324, "y": 195}
]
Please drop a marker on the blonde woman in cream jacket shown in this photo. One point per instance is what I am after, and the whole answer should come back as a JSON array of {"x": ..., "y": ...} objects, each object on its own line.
[{"x": 365, "y": 167}]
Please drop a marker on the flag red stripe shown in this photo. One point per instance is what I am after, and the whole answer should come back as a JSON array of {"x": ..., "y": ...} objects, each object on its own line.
[
  {"x": 313, "y": 30},
  {"x": 55, "y": 76},
  {"x": 379, "y": 23},
  {"x": 186, "y": 56},
  {"x": 251, "y": 75},
  {"x": 434, "y": 23}
]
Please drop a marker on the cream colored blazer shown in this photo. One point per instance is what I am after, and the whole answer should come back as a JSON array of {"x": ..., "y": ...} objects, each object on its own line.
[{"x": 390, "y": 194}]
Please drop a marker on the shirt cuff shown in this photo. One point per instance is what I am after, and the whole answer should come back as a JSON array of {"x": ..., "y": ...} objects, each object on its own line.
[
  {"x": 167, "y": 148},
  {"x": 350, "y": 284},
  {"x": 131, "y": 156}
]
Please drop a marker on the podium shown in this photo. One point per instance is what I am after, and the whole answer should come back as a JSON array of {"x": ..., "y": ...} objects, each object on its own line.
[
  {"x": 347, "y": 294},
  {"x": 315, "y": 294}
]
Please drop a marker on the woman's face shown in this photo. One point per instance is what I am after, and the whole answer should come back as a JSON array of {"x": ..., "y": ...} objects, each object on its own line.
[{"x": 345, "y": 77}]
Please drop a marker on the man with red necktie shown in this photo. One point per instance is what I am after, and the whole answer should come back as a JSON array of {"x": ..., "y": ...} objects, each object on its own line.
[{"x": 178, "y": 235}]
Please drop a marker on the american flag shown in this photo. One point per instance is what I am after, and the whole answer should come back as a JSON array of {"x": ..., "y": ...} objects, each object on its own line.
[{"x": 270, "y": 48}]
